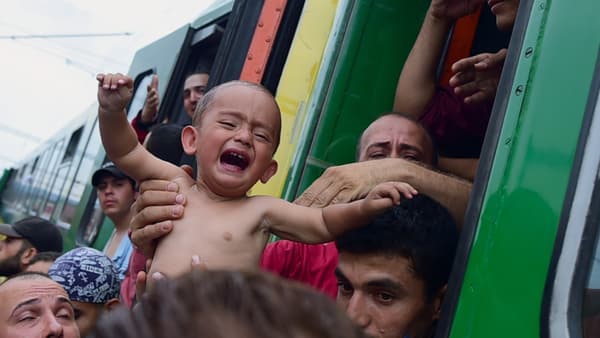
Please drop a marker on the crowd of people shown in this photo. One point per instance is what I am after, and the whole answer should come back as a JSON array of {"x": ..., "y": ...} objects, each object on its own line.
[{"x": 377, "y": 237}]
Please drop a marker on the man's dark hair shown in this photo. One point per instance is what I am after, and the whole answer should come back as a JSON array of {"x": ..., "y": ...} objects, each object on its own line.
[
  {"x": 419, "y": 229},
  {"x": 164, "y": 142},
  {"x": 219, "y": 304},
  {"x": 46, "y": 256}
]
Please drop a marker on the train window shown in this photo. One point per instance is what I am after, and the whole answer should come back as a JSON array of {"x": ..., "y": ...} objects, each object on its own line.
[
  {"x": 202, "y": 50},
  {"x": 30, "y": 194},
  {"x": 48, "y": 176},
  {"x": 14, "y": 186},
  {"x": 55, "y": 192},
  {"x": 34, "y": 165},
  {"x": 139, "y": 96},
  {"x": 82, "y": 177},
  {"x": 72, "y": 146},
  {"x": 89, "y": 230}
]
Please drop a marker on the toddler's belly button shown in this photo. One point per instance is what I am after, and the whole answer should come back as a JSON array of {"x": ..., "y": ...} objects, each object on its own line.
[{"x": 227, "y": 236}]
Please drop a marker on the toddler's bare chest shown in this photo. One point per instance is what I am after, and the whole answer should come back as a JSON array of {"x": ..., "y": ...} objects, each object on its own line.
[{"x": 220, "y": 224}]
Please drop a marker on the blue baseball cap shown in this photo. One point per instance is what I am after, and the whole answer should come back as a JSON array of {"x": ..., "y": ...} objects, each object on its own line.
[{"x": 87, "y": 275}]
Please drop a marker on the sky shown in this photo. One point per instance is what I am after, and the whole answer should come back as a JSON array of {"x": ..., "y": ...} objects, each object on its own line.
[{"x": 48, "y": 82}]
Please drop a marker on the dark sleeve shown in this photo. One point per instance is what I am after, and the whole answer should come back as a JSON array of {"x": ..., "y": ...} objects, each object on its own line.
[{"x": 457, "y": 128}]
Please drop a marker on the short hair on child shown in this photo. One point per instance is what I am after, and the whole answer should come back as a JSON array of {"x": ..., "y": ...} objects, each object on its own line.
[
  {"x": 419, "y": 229},
  {"x": 209, "y": 98},
  {"x": 230, "y": 304}
]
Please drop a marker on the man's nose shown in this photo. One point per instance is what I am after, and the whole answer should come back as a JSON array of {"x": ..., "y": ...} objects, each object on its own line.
[
  {"x": 54, "y": 328},
  {"x": 195, "y": 96},
  {"x": 108, "y": 189},
  {"x": 356, "y": 310},
  {"x": 394, "y": 153}
]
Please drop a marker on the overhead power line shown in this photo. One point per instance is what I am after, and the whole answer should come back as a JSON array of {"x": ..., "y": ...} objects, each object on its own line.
[
  {"x": 63, "y": 36},
  {"x": 19, "y": 133}
]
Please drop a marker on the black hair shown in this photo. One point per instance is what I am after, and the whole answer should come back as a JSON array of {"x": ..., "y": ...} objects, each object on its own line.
[
  {"x": 434, "y": 148},
  {"x": 419, "y": 229},
  {"x": 164, "y": 142},
  {"x": 46, "y": 256},
  {"x": 230, "y": 304}
]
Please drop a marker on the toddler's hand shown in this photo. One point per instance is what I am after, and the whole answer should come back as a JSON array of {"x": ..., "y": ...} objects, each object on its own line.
[
  {"x": 385, "y": 195},
  {"x": 114, "y": 91}
]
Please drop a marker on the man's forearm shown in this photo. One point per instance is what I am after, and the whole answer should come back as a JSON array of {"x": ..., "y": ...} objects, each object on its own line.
[{"x": 452, "y": 192}]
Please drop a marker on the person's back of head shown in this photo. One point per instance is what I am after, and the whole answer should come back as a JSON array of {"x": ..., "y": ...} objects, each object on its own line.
[
  {"x": 419, "y": 229},
  {"x": 230, "y": 304},
  {"x": 164, "y": 142},
  {"x": 42, "y": 261}
]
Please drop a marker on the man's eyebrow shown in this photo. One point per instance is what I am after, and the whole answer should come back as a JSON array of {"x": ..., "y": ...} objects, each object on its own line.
[
  {"x": 410, "y": 147},
  {"x": 385, "y": 283},
  {"x": 340, "y": 275},
  {"x": 28, "y": 302},
  {"x": 379, "y": 144},
  {"x": 65, "y": 300},
  {"x": 382, "y": 144}
]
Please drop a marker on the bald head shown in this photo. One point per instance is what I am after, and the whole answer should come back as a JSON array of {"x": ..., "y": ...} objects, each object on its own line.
[
  {"x": 33, "y": 305},
  {"x": 396, "y": 135}
]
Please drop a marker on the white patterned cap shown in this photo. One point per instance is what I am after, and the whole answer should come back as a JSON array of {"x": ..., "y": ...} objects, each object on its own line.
[{"x": 87, "y": 275}]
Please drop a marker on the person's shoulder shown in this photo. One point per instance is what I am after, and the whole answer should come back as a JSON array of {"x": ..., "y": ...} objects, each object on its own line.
[{"x": 265, "y": 202}]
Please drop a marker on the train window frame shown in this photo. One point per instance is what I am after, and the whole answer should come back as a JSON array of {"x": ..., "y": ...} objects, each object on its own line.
[
  {"x": 198, "y": 56},
  {"x": 85, "y": 169},
  {"x": 94, "y": 217},
  {"x": 35, "y": 176},
  {"x": 55, "y": 191},
  {"x": 140, "y": 92},
  {"x": 74, "y": 140},
  {"x": 577, "y": 236},
  {"x": 81, "y": 170},
  {"x": 486, "y": 159},
  {"x": 49, "y": 177}
]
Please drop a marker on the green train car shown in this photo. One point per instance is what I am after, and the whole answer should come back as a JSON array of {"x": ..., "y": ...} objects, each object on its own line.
[{"x": 527, "y": 264}]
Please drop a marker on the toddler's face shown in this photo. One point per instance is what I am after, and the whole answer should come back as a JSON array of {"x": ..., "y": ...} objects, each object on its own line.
[{"x": 237, "y": 137}]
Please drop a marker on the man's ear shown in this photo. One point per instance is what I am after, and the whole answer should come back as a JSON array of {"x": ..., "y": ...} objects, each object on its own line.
[
  {"x": 438, "y": 300},
  {"x": 269, "y": 172},
  {"x": 111, "y": 304},
  {"x": 189, "y": 134},
  {"x": 27, "y": 255}
]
